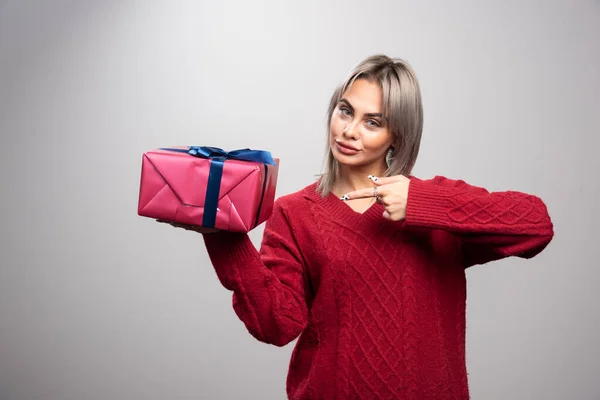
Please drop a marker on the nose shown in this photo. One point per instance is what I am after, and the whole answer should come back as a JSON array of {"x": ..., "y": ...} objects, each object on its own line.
[{"x": 350, "y": 131}]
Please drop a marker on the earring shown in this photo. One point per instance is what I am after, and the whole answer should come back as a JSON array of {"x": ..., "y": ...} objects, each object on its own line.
[{"x": 389, "y": 156}]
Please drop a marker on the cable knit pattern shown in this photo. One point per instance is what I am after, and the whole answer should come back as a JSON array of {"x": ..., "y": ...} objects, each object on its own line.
[{"x": 378, "y": 306}]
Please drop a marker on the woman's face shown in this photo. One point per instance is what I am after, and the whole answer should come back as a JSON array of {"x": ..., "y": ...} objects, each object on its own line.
[{"x": 359, "y": 136}]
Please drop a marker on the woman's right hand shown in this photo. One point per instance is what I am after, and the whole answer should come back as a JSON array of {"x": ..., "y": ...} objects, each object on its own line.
[{"x": 193, "y": 228}]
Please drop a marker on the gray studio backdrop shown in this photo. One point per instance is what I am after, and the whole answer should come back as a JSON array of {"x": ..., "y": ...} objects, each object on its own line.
[{"x": 97, "y": 303}]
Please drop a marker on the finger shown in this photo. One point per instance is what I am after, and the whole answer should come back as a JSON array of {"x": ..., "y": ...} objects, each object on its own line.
[
  {"x": 386, "y": 180},
  {"x": 387, "y": 215},
  {"x": 359, "y": 194}
]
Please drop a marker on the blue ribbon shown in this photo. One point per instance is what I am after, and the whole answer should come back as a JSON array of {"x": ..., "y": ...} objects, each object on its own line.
[{"x": 217, "y": 158}]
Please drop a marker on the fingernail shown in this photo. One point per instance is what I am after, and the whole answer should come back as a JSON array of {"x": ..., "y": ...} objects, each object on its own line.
[
  {"x": 345, "y": 197},
  {"x": 373, "y": 178}
]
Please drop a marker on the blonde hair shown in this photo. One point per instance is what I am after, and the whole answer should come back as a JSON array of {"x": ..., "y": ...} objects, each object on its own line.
[{"x": 402, "y": 107}]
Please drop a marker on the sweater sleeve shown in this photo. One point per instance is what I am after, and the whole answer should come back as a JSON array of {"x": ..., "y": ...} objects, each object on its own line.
[
  {"x": 267, "y": 285},
  {"x": 490, "y": 225}
]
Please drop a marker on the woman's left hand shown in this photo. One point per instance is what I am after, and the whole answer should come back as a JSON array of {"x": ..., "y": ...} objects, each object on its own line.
[{"x": 391, "y": 192}]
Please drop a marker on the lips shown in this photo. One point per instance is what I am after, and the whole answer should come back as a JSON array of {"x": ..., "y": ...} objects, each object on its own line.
[
  {"x": 346, "y": 149},
  {"x": 347, "y": 146}
]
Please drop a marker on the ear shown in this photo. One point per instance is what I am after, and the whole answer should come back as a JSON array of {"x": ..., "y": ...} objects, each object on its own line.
[
  {"x": 388, "y": 156},
  {"x": 390, "y": 151}
]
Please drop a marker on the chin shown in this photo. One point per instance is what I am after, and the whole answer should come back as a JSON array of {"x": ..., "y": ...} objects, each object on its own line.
[
  {"x": 353, "y": 161},
  {"x": 349, "y": 161}
]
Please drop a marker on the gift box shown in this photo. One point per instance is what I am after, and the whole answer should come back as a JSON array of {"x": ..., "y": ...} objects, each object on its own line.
[{"x": 207, "y": 186}]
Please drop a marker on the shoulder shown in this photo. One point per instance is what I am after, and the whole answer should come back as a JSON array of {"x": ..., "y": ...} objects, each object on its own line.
[
  {"x": 292, "y": 209},
  {"x": 296, "y": 205},
  {"x": 298, "y": 198}
]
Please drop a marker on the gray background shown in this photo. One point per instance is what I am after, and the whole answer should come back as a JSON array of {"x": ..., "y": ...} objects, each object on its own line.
[{"x": 98, "y": 303}]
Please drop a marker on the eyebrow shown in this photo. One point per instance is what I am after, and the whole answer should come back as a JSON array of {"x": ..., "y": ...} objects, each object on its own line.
[{"x": 370, "y": 115}]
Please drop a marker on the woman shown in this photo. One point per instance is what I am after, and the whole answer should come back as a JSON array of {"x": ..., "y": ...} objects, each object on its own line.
[{"x": 367, "y": 265}]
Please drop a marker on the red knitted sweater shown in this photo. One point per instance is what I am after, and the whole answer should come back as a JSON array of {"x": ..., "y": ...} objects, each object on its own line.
[{"x": 379, "y": 306}]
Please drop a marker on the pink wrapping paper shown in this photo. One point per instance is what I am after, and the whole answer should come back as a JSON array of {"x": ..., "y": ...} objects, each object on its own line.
[{"x": 173, "y": 188}]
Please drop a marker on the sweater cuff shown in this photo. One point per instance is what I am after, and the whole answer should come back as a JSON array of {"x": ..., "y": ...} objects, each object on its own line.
[{"x": 428, "y": 205}]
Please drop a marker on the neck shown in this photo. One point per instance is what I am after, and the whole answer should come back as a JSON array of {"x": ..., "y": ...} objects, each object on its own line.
[{"x": 354, "y": 178}]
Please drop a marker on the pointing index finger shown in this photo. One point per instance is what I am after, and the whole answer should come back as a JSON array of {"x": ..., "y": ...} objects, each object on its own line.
[
  {"x": 360, "y": 194},
  {"x": 379, "y": 181}
]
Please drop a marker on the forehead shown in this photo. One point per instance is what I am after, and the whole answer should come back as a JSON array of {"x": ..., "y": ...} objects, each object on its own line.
[{"x": 364, "y": 95}]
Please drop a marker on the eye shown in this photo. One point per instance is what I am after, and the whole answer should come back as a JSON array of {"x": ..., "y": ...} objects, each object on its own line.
[
  {"x": 345, "y": 111},
  {"x": 373, "y": 123}
]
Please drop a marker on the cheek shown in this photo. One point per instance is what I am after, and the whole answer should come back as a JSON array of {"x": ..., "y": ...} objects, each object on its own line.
[
  {"x": 335, "y": 126},
  {"x": 378, "y": 143}
]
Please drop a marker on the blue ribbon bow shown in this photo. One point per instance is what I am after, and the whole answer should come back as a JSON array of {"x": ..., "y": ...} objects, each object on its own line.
[{"x": 217, "y": 158}]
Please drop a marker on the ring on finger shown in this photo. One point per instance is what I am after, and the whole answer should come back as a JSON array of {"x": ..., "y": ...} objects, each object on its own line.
[{"x": 376, "y": 195}]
